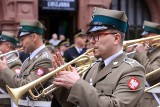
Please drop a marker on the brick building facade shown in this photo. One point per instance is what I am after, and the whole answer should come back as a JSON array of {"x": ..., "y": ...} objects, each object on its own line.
[{"x": 11, "y": 11}]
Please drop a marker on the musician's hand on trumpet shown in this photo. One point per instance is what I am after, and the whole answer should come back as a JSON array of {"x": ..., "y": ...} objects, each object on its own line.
[
  {"x": 136, "y": 48},
  {"x": 3, "y": 63},
  {"x": 66, "y": 77},
  {"x": 141, "y": 47},
  {"x": 57, "y": 61},
  {"x": 130, "y": 48}
]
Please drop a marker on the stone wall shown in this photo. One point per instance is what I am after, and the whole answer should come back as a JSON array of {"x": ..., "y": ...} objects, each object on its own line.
[{"x": 12, "y": 11}]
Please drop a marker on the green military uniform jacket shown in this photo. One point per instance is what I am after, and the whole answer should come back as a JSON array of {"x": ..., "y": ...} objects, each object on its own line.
[
  {"x": 109, "y": 87},
  {"x": 30, "y": 70},
  {"x": 151, "y": 62},
  {"x": 15, "y": 67}
]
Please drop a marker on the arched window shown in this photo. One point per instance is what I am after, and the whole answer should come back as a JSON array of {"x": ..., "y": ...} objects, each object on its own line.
[{"x": 136, "y": 11}]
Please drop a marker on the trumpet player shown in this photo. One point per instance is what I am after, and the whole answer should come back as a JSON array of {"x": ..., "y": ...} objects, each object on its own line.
[
  {"x": 147, "y": 53},
  {"x": 8, "y": 43},
  {"x": 115, "y": 81},
  {"x": 34, "y": 67},
  {"x": 149, "y": 57}
]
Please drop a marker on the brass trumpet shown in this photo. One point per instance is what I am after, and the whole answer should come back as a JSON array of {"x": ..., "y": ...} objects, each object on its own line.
[
  {"x": 16, "y": 93},
  {"x": 141, "y": 40},
  {"x": 12, "y": 59},
  {"x": 155, "y": 72}
]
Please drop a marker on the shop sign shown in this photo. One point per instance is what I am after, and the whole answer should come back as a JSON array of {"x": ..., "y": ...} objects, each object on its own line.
[{"x": 68, "y": 5}]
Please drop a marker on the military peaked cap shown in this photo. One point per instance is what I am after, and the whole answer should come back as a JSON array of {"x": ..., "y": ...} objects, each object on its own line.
[
  {"x": 9, "y": 37},
  {"x": 64, "y": 43},
  {"x": 150, "y": 27},
  {"x": 104, "y": 18},
  {"x": 30, "y": 26}
]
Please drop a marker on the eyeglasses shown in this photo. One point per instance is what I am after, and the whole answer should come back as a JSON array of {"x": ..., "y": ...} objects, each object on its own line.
[{"x": 95, "y": 36}]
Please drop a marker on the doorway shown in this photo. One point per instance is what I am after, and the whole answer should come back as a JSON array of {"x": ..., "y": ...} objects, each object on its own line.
[{"x": 58, "y": 21}]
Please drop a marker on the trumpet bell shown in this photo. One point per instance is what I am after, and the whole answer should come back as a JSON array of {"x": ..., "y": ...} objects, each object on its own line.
[
  {"x": 12, "y": 59},
  {"x": 16, "y": 94}
]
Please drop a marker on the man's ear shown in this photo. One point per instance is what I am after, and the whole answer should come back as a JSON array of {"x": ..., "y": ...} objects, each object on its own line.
[
  {"x": 117, "y": 38},
  {"x": 34, "y": 36},
  {"x": 8, "y": 47}
]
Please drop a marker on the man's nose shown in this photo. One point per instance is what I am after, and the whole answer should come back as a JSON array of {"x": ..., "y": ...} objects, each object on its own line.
[{"x": 20, "y": 43}]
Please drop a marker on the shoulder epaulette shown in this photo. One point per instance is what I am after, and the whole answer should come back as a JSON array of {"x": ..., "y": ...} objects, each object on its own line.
[
  {"x": 130, "y": 61},
  {"x": 45, "y": 55}
]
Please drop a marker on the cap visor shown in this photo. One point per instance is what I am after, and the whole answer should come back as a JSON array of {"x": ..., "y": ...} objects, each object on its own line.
[
  {"x": 2, "y": 39},
  {"x": 67, "y": 45},
  {"x": 23, "y": 33},
  {"x": 96, "y": 28},
  {"x": 144, "y": 33}
]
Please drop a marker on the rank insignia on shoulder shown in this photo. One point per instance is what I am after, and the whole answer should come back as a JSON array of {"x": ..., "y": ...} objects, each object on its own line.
[
  {"x": 133, "y": 83},
  {"x": 129, "y": 61},
  {"x": 115, "y": 63},
  {"x": 36, "y": 56},
  {"x": 45, "y": 54},
  {"x": 39, "y": 72},
  {"x": 17, "y": 71}
]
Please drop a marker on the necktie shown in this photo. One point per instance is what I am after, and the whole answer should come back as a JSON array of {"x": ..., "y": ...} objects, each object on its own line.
[{"x": 101, "y": 66}]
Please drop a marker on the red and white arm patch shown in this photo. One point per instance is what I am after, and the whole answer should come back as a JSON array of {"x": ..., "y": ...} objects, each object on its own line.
[
  {"x": 39, "y": 72},
  {"x": 133, "y": 83},
  {"x": 17, "y": 70}
]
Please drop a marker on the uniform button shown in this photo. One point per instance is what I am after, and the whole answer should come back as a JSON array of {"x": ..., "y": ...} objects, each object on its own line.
[{"x": 102, "y": 91}]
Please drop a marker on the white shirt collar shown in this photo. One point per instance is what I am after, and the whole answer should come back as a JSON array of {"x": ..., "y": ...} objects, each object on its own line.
[
  {"x": 35, "y": 52},
  {"x": 62, "y": 53},
  {"x": 108, "y": 60},
  {"x": 78, "y": 49}
]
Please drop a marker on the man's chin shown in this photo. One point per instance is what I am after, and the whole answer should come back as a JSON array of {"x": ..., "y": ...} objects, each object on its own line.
[
  {"x": 26, "y": 52},
  {"x": 96, "y": 56}
]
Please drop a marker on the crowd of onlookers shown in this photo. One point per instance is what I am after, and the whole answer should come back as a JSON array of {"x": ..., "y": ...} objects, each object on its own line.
[
  {"x": 61, "y": 43},
  {"x": 54, "y": 43}
]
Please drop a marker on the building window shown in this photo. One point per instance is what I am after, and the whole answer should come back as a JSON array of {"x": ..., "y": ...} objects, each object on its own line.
[{"x": 136, "y": 11}]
